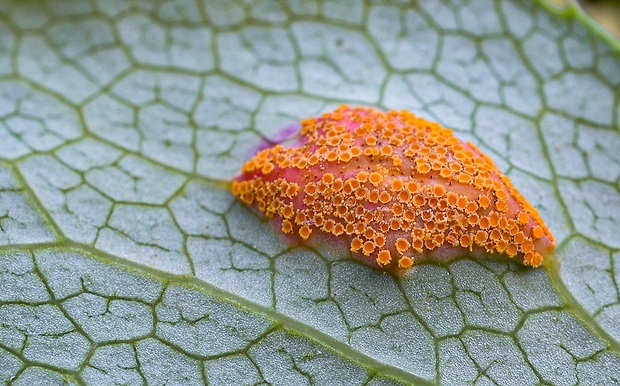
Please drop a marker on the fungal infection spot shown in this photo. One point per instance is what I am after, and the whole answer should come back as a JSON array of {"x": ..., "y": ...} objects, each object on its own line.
[{"x": 393, "y": 189}]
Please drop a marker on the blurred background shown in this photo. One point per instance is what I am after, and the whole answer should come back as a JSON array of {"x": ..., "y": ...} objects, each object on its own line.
[{"x": 606, "y": 12}]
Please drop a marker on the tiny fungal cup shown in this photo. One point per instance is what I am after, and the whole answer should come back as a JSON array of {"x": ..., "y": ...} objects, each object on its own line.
[{"x": 395, "y": 189}]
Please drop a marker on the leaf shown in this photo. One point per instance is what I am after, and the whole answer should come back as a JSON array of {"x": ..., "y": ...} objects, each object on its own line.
[{"x": 125, "y": 260}]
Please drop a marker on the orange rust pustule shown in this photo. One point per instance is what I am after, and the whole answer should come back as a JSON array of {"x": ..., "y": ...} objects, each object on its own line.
[{"x": 398, "y": 188}]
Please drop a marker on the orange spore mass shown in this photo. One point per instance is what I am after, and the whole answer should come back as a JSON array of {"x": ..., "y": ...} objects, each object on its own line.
[{"x": 396, "y": 187}]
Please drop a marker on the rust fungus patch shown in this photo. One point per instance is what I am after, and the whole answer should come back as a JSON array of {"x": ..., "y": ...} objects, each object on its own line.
[{"x": 395, "y": 189}]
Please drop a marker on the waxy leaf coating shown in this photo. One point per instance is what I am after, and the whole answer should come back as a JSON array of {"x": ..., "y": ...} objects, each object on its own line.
[{"x": 394, "y": 188}]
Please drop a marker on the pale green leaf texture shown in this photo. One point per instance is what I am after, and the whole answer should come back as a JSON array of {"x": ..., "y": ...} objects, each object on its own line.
[{"x": 125, "y": 260}]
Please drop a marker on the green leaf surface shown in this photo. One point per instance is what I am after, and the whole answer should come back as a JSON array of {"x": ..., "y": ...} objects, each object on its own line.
[{"x": 125, "y": 260}]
